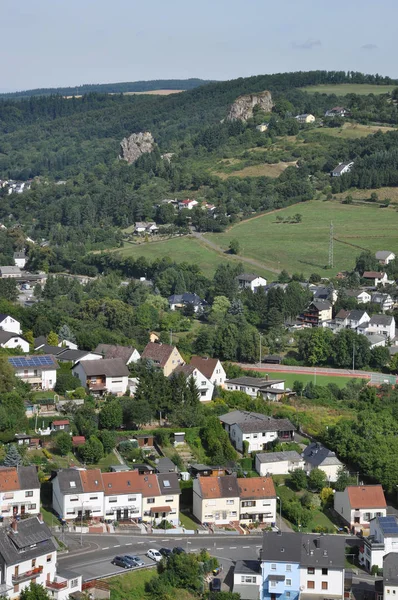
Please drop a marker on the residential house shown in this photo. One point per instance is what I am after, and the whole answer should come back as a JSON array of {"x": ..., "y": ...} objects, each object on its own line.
[
  {"x": 337, "y": 111},
  {"x": 361, "y": 296},
  {"x": 247, "y": 579},
  {"x": 10, "y": 324},
  {"x": 19, "y": 491},
  {"x": 188, "y": 204},
  {"x": 187, "y": 299},
  {"x": 28, "y": 555},
  {"x": 73, "y": 356},
  {"x": 385, "y": 256},
  {"x": 211, "y": 368},
  {"x": 13, "y": 340},
  {"x": 305, "y": 119},
  {"x": 347, "y": 319},
  {"x": 269, "y": 389},
  {"x": 127, "y": 353},
  {"x": 359, "y": 504},
  {"x": 147, "y": 228},
  {"x": 122, "y": 495},
  {"x": 160, "y": 498},
  {"x": 278, "y": 463},
  {"x": 317, "y": 456},
  {"x": 216, "y": 499},
  {"x": 382, "y": 539},
  {"x": 204, "y": 386},
  {"x": 390, "y": 577},
  {"x": 317, "y": 312},
  {"x": 342, "y": 168},
  {"x": 380, "y": 325},
  {"x": 61, "y": 425},
  {"x": 305, "y": 566},
  {"x": 40, "y": 371},
  {"x": 256, "y": 429},
  {"x": 385, "y": 301},
  {"x": 376, "y": 340},
  {"x": 164, "y": 356},
  {"x": 321, "y": 292},
  {"x": 375, "y": 278},
  {"x": 262, "y": 127},
  {"x": 106, "y": 376},
  {"x": 20, "y": 259},
  {"x": 77, "y": 491},
  {"x": 10, "y": 272},
  {"x": 257, "y": 500},
  {"x": 250, "y": 281}
]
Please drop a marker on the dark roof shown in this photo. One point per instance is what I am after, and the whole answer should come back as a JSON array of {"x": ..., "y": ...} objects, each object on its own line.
[
  {"x": 354, "y": 293},
  {"x": 28, "y": 478},
  {"x": 53, "y": 350},
  {"x": 321, "y": 304},
  {"x": 33, "y": 539},
  {"x": 69, "y": 355},
  {"x": 247, "y": 567},
  {"x": 316, "y": 455},
  {"x": 381, "y": 320},
  {"x": 110, "y": 367},
  {"x": 356, "y": 315},
  {"x": 186, "y": 298},
  {"x": 40, "y": 341},
  {"x": 372, "y": 275},
  {"x": 186, "y": 370},
  {"x": 254, "y": 422},
  {"x": 341, "y": 166},
  {"x": 246, "y": 277},
  {"x": 41, "y": 361},
  {"x": 7, "y": 335},
  {"x": 306, "y": 549},
  {"x": 159, "y": 353},
  {"x": 165, "y": 465},
  {"x": 168, "y": 483},
  {"x": 4, "y": 316},
  {"x": 66, "y": 479},
  {"x": 342, "y": 314},
  {"x": 113, "y": 351},
  {"x": 390, "y": 568},
  {"x": 272, "y": 457}
]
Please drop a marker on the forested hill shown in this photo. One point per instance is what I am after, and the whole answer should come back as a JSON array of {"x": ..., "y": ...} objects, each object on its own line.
[{"x": 111, "y": 88}]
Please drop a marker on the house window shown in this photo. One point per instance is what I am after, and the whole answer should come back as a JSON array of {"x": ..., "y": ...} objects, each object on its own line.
[
  {"x": 255, "y": 436},
  {"x": 133, "y": 499},
  {"x": 31, "y": 506},
  {"x": 33, "y": 563},
  {"x": 310, "y": 570},
  {"x": 324, "y": 571},
  {"x": 263, "y": 434},
  {"x": 70, "y": 512},
  {"x": 311, "y": 585},
  {"x": 113, "y": 499},
  {"x": 324, "y": 585},
  {"x": 74, "y": 583},
  {"x": 169, "y": 499},
  {"x": 287, "y": 594},
  {"x": 273, "y": 567},
  {"x": 28, "y": 494},
  {"x": 230, "y": 501},
  {"x": 288, "y": 582},
  {"x": 288, "y": 567},
  {"x": 248, "y": 579},
  {"x": 150, "y": 500},
  {"x": 93, "y": 497},
  {"x": 49, "y": 558},
  {"x": 273, "y": 583}
]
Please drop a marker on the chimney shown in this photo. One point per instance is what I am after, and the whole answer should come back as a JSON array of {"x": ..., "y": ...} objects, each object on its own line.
[
  {"x": 14, "y": 526},
  {"x": 40, "y": 517}
]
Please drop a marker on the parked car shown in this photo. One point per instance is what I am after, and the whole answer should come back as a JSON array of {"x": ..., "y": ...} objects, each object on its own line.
[
  {"x": 123, "y": 561},
  {"x": 154, "y": 555},
  {"x": 138, "y": 562},
  {"x": 216, "y": 585},
  {"x": 165, "y": 552},
  {"x": 178, "y": 550}
]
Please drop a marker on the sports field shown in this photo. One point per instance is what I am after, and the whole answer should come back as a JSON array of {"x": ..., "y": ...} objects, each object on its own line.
[
  {"x": 341, "y": 89},
  {"x": 304, "y": 247}
]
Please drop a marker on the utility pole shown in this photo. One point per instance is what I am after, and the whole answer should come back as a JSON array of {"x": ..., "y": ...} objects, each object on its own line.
[
  {"x": 261, "y": 337},
  {"x": 171, "y": 337},
  {"x": 353, "y": 357},
  {"x": 331, "y": 239}
]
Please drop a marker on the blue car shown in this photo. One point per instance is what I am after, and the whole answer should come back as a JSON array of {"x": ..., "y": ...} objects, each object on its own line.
[{"x": 123, "y": 561}]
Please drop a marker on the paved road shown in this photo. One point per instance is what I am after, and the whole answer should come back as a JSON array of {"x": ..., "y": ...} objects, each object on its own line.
[{"x": 307, "y": 370}]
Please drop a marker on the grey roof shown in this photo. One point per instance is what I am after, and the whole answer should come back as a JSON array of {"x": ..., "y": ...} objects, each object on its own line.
[
  {"x": 310, "y": 550},
  {"x": 33, "y": 539},
  {"x": 229, "y": 486},
  {"x": 9, "y": 270},
  {"x": 246, "y": 277},
  {"x": 7, "y": 335},
  {"x": 19, "y": 254},
  {"x": 247, "y": 567},
  {"x": 317, "y": 455},
  {"x": 254, "y": 381},
  {"x": 3, "y": 316},
  {"x": 69, "y": 355},
  {"x": 110, "y": 367},
  {"x": 354, "y": 293},
  {"x": 67, "y": 574},
  {"x": 165, "y": 465},
  {"x": 388, "y": 525},
  {"x": 390, "y": 568},
  {"x": 40, "y": 341},
  {"x": 247, "y": 591},
  {"x": 172, "y": 479},
  {"x": 114, "y": 351},
  {"x": 341, "y": 167},
  {"x": 356, "y": 315},
  {"x": 381, "y": 320},
  {"x": 383, "y": 254},
  {"x": 375, "y": 339},
  {"x": 53, "y": 350},
  {"x": 272, "y": 457},
  {"x": 380, "y": 298},
  {"x": 321, "y": 304},
  {"x": 28, "y": 478},
  {"x": 66, "y": 477},
  {"x": 253, "y": 422},
  {"x": 186, "y": 298}
]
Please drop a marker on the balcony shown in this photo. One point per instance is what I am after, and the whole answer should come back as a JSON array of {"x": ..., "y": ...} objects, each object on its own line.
[
  {"x": 32, "y": 574},
  {"x": 57, "y": 584}
]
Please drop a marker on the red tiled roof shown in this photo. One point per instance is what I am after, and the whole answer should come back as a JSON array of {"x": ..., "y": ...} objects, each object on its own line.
[
  {"x": 372, "y": 274},
  {"x": 118, "y": 483},
  {"x": 92, "y": 480},
  {"x": 62, "y": 422},
  {"x": 256, "y": 487},
  {"x": 9, "y": 479},
  {"x": 78, "y": 440},
  {"x": 159, "y": 353},
  {"x": 366, "y": 496}
]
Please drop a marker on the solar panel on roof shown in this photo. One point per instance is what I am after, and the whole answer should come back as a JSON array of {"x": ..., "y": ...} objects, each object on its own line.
[{"x": 32, "y": 361}]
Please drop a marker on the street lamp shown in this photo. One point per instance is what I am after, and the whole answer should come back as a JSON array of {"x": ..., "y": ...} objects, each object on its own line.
[
  {"x": 280, "y": 513},
  {"x": 81, "y": 522}
]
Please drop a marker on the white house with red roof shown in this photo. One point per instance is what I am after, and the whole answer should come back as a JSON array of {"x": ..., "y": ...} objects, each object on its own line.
[
  {"x": 189, "y": 204},
  {"x": 359, "y": 504}
]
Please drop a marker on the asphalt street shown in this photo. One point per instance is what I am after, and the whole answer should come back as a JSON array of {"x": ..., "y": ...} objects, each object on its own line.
[{"x": 94, "y": 558}]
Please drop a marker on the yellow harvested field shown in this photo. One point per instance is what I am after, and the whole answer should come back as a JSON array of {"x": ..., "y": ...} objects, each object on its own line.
[
  {"x": 154, "y": 93},
  {"x": 386, "y": 193},
  {"x": 264, "y": 170}
]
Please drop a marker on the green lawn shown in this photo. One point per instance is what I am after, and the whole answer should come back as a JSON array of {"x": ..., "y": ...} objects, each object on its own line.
[
  {"x": 290, "y": 378},
  {"x": 341, "y": 89},
  {"x": 187, "y": 521},
  {"x": 348, "y": 131},
  {"x": 130, "y": 585},
  {"x": 106, "y": 462},
  {"x": 304, "y": 247}
]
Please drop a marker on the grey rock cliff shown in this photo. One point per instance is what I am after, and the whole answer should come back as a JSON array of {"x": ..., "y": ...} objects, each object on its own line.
[
  {"x": 242, "y": 108},
  {"x": 135, "y": 145}
]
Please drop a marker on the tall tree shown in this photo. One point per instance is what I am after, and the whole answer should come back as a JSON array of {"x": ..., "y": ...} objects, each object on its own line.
[{"x": 12, "y": 458}]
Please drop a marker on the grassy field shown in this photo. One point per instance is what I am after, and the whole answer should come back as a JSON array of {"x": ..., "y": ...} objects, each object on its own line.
[
  {"x": 341, "y": 89},
  {"x": 304, "y": 247},
  {"x": 262, "y": 170},
  {"x": 184, "y": 249},
  {"x": 348, "y": 131},
  {"x": 130, "y": 585},
  {"x": 290, "y": 378},
  {"x": 390, "y": 193}
]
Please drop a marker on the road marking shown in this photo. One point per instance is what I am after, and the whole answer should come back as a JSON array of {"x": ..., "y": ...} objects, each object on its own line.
[
  {"x": 105, "y": 548},
  {"x": 232, "y": 547},
  {"x": 258, "y": 546},
  {"x": 164, "y": 540},
  {"x": 245, "y": 547},
  {"x": 117, "y": 546},
  {"x": 129, "y": 544},
  {"x": 140, "y": 542},
  {"x": 219, "y": 548}
]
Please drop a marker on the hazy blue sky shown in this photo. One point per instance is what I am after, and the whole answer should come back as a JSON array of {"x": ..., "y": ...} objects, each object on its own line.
[{"x": 46, "y": 43}]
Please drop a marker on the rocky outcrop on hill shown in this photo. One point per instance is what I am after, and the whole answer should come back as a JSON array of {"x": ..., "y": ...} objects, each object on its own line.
[
  {"x": 135, "y": 145},
  {"x": 242, "y": 108}
]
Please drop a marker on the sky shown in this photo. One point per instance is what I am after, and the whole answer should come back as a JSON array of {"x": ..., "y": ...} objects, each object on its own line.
[{"x": 50, "y": 43}]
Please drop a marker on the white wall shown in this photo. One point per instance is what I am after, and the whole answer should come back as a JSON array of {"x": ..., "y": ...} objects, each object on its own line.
[
  {"x": 11, "y": 325},
  {"x": 16, "y": 342},
  {"x": 263, "y": 506},
  {"x": 219, "y": 510},
  {"x": 117, "y": 385},
  {"x": 282, "y": 467},
  {"x": 334, "y": 580},
  {"x": 171, "y": 500},
  {"x": 256, "y": 440},
  {"x": 204, "y": 386},
  {"x": 132, "y": 500},
  {"x": 48, "y": 569},
  {"x": 135, "y": 356},
  {"x": 219, "y": 375},
  {"x": 69, "y": 505},
  {"x": 48, "y": 379},
  {"x": 18, "y": 498},
  {"x": 331, "y": 471},
  {"x": 343, "y": 507}
]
